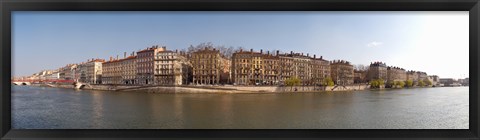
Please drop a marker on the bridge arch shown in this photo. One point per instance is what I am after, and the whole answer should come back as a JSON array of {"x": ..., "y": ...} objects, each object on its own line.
[
  {"x": 21, "y": 83},
  {"x": 81, "y": 85}
]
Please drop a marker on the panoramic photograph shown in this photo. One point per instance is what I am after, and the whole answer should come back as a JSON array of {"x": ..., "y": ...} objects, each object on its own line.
[{"x": 240, "y": 70}]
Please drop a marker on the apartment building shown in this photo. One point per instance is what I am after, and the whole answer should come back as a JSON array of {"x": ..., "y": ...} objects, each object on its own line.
[
  {"x": 342, "y": 72},
  {"x": 171, "y": 68},
  {"x": 207, "y": 66}
]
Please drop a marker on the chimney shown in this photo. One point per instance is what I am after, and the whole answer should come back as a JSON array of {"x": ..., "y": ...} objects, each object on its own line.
[
  {"x": 291, "y": 52},
  {"x": 261, "y": 51},
  {"x": 176, "y": 50},
  {"x": 241, "y": 50},
  {"x": 278, "y": 52},
  {"x": 321, "y": 57},
  {"x": 307, "y": 54},
  {"x": 124, "y": 54},
  {"x": 314, "y": 56},
  {"x": 117, "y": 57},
  {"x": 268, "y": 52},
  {"x": 251, "y": 50}
]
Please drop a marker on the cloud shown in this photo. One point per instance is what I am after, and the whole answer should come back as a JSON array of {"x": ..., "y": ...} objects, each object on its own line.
[{"x": 374, "y": 44}]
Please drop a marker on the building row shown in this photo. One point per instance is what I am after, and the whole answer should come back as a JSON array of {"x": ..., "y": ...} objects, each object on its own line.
[
  {"x": 390, "y": 74},
  {"x": 151, "y": 66},
  {"x": 88, "y": 72},
  {"x": 207, "y": 66},
  {"x": 254, "y": 68}
]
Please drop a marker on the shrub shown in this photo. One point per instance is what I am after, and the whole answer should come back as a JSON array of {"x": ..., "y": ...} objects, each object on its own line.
[
  {"x": 427, "y": 82},
  {"x": 401, "y": 84},
  {"x": 328, "y": 82},
  {"x": 421, "y": 83},
  {"x": 409, "y": 83},
  {"x": 376, "y": 83}
]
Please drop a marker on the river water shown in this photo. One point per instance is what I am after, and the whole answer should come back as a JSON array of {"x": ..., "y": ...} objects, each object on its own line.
[{"x": 417, "y": 108}]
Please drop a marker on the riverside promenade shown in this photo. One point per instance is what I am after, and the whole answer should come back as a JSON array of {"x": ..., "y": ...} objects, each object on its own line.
[{"x": 210, "y": 88}]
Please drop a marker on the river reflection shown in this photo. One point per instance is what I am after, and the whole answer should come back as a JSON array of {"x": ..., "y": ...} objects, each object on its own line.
[{"x": 419, "y": 108}]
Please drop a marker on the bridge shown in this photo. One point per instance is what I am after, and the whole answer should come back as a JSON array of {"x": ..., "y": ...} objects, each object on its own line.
[
  {"x": 80, "y": 85},
  {"x": 29, "y": 82},
  {"x": 21, "y": 83},
  {"x": 76, "y": 85}
]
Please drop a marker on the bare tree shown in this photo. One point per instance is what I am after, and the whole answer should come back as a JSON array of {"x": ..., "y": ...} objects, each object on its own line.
[
  {"x": 223, "y": 50},
  {"x": 238, "y": 49},
  {"x": 191, "y": 49},
  {"x": 360, "y": 67},
  {"x": 208, "y": 45}
]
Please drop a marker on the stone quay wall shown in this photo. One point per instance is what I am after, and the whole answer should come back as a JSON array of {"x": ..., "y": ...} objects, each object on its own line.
[{"x": 214, "y": 89}]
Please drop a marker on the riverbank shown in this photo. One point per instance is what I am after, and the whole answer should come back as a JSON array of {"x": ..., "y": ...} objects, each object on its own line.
[
  {"x": 212, "y": 89},
  {"x": 218, "y": 89}
]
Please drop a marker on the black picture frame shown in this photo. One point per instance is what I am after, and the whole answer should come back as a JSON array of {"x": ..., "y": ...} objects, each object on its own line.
[{"x": 7, "y": 6}]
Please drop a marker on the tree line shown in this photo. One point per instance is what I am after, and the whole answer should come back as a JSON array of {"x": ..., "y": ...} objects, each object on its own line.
[
  {"x": 226, "y": 52},
  {"x": 377, "y": 83}
]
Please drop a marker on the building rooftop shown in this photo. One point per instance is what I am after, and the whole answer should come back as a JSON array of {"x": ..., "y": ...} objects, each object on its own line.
[
  {"x": 119, "y": 60},
  {"x": 207, "y": 50},
  {"x": 340, "y": 62},
  {"x": 393, "y": 67},
  {"x": 378, "y": 64},
  {"x": 96, "y": 60},
  {"x": 153, "y": 48}
]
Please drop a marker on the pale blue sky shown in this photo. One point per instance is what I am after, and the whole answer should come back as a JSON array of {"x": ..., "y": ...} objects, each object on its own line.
[{"x": 434, "y": 42}]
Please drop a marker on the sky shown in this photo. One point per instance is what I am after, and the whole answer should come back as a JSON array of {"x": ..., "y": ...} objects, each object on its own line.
[{"x": 435, "y": 42}]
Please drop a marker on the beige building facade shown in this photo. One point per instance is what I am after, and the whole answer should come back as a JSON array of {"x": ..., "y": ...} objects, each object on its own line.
[
  {"x": 255, "y": 68},
  {"x": 271, "y": 69},
  {"x": 342, "y": 72},
  {"x": 242, "y": 67},
  {"x": 360, "y": 76},
  {"x": 94, "y": 71},
  {"x": 377, "y": 70},
  {"x": 112, "y": 71},
  {"x": 67, "y": 72},
  {"x": 259, "y": 68},
  {"x": 435, "y": 79},
  {"x": 146, "y": 65},
  {"x": 422, "y": 75},
  {"x": 320, "y": 70},
  {"x": 207, "y": 67},
  {"x": 412, "y": 75},
  {"x": 171, "y": 68},
  {"x": 129, "y": 70},
  {"x": 395, "y": 74},
  {"x": 120, "y": 71}
]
